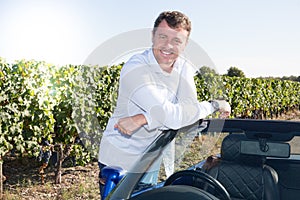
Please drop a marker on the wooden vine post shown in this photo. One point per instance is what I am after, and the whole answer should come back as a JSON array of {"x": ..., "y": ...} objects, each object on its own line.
[
  {"x": 62, "y": 155},
  {"x": 59, "y": 164}
]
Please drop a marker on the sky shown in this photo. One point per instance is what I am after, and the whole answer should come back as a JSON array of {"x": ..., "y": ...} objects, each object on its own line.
[{"x": 262, "y": 38}]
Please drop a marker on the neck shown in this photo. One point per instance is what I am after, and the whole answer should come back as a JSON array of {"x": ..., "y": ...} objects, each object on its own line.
[{"x": 167, "y": 67}]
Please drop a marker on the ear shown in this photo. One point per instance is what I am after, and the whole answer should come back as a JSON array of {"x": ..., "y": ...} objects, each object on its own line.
[{"x": 152, "y": 38}]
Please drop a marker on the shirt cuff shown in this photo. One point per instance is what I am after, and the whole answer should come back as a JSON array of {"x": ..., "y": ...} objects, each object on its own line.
[{"x": 150, "y": 122}]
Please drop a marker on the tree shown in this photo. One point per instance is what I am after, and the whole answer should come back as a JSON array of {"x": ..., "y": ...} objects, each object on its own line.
[
  {"x": 235, "y": 72},
  {"x": 204, "y": 70},
  {"x": 291, "y": 78}
]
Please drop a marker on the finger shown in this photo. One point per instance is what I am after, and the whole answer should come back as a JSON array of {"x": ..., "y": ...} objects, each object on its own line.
[
  {"x": 223, "y": 115},
  {"x": 120, "y": 129},
  {"x": 123, "y": 131}
]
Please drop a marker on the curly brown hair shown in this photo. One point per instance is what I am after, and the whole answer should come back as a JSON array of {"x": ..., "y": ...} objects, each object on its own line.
[{"x": 175, "y": 19}]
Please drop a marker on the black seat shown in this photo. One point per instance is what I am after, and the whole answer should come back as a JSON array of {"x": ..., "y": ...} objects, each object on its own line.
[{"x": 244, "y": 176}]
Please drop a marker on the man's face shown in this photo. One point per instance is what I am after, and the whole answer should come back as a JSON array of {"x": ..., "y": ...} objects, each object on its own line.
[{"x": 168, "y": 44}]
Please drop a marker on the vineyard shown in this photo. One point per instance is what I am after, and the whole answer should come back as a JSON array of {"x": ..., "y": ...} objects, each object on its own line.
[{"x": 50, "y": 114}]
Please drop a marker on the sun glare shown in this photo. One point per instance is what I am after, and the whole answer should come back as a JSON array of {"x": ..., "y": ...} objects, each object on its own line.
[{"x": 40, "y": 32}]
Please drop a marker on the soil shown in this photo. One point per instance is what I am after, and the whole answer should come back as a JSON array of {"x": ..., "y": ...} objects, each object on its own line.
[
  {"x": 23, "y": 181},
  {"x": 294, "y": 116}
]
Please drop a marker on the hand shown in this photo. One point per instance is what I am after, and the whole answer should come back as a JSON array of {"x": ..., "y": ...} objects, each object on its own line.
[
  {"x": 224, "y": 114},
  {"x": 224, "y": 108},
  {"x": 128, "y": 125}
]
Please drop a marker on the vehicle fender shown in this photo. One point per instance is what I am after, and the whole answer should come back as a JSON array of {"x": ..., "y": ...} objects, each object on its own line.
[{"x": 112, "y": 175}]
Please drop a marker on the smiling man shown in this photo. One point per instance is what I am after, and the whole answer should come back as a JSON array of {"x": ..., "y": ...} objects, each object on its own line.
[
  {"x": 169, "y": 42},
  {"x": 156, "y": 92}
]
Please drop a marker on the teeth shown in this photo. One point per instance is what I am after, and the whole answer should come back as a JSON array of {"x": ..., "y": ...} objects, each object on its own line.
[{"x": 166, "y": 52}]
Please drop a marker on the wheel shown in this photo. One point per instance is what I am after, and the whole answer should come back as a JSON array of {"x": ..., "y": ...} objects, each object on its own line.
[{"x": 198, "y": 179}]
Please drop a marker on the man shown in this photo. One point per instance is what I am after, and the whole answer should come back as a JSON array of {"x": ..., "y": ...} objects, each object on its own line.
[{"x": 156, "y": 92}]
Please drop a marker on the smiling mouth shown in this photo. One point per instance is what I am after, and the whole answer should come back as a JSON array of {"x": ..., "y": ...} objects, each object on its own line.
[{"x": 166, "y": 52}]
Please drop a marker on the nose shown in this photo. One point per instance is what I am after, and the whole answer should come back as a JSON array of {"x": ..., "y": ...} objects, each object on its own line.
[{"x": 168, "y": 44}]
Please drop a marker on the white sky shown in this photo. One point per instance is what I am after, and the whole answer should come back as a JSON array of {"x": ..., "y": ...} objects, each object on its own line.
[{"x": 262, "y": 38}]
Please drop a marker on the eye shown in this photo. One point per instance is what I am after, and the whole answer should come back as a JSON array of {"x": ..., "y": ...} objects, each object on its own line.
[
  {"x": 177, "y": 41},
  {"x": 162, "y": 36}
]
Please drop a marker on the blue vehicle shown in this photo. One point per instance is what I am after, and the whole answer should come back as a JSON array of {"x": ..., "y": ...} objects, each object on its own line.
[{"x": 216, "y": 159}]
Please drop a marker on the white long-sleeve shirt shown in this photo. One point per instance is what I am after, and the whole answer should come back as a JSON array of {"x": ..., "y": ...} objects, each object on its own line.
[{"x": 167, "y": 100}]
